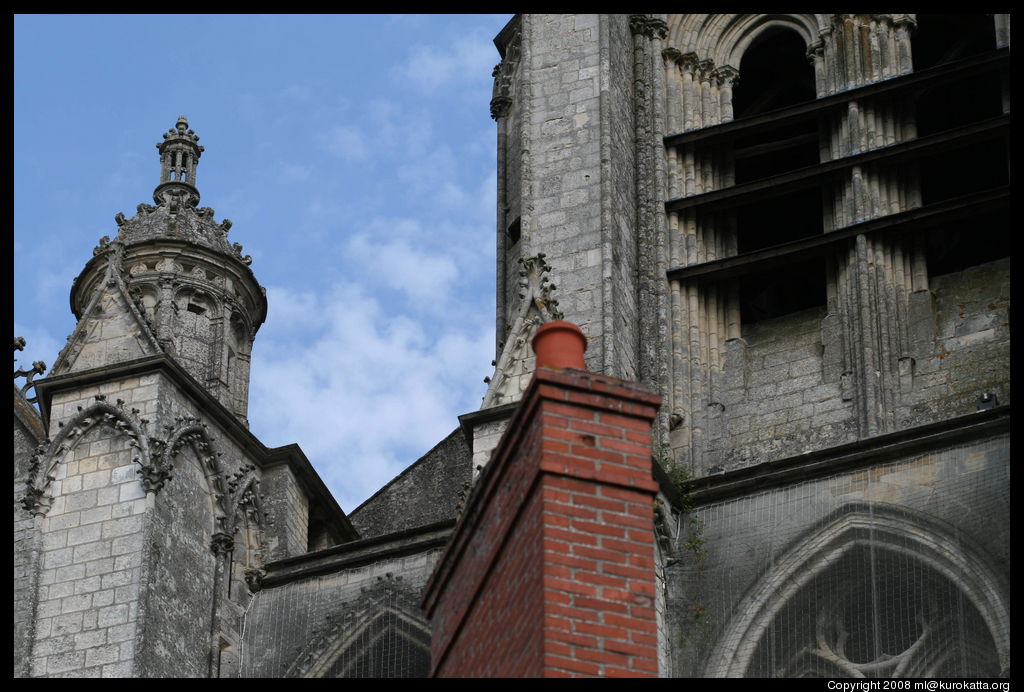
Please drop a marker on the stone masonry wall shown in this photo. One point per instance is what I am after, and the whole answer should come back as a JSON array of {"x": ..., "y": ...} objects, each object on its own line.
[
  {"x": 425, "y": 493},
  {"x": 563, "y": 169},
  {"x": 775, "y": 402},
  {"x": 91, "y": 554},
  {"x": 25, "y": 552},
  {"x": 971, "y": 353},
  {"x": 288, "y": 523},
  {"x": 620, "y": 278},
  {"x": 312, "y": 626},
  {"x": 181, "y": 580},
  {"x": 126, "y": 580}
]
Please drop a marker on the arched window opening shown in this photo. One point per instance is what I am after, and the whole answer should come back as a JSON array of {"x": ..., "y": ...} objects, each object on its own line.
[
  {"x": 877, "y": 613},
  {"x": 775, "y": 73},
  {"x": 388, "y": 646},
  {"x": 515, "y": 231},
  {"x": 942, "y": 38},
  {"x": 969, "y": 168}
]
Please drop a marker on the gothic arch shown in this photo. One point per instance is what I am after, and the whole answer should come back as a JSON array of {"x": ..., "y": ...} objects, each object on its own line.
[
  {"x": 723, "y": 38},
  {"x": 343, "y": 658},
  {"x": 50, "y": 454},
  {"x": 247, "y": 525},
  {"x": 194, "y": 434},
  {"x": 385, "y": 621},
  {"x": 896, "y": 529}
]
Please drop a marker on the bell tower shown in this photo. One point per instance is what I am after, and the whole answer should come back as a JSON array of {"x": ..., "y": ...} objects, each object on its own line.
[{"x": 170, "y": 282}]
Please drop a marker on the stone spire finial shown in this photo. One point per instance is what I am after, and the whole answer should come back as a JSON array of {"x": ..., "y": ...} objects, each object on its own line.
[{"x": 179, "y": 157}]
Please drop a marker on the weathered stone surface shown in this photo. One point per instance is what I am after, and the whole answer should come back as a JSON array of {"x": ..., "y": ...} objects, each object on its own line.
[{"x": 427, "y": 492}]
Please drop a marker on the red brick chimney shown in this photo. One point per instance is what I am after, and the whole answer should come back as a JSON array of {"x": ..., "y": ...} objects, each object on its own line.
[{"x": 550, "y": 570}]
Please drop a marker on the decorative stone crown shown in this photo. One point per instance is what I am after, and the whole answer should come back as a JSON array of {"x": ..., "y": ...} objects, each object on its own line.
[{"x": 179, "y": 158}]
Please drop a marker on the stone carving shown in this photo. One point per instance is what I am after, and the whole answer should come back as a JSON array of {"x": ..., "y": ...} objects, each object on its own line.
[
  {"x": 664, "y": 531},
  {"x": 246, "y": 259},
  {"x": 649, "y": 26},
  {"x": 102, "y": 246},
  {"x": 537, "y": 287},
  {"x": 154, "y": 477},
  {"x": 537, "y": 306},
  {"x": 501, "y": 100},
  {"x": 49, "y": 454},
  {"x": 221, "y": 543},
  {"x": 386, "y": 598},
  {"x": 38, "y": 368},
  {"x": 193, "y": 432},
  {"x": 254, "y": 578}
]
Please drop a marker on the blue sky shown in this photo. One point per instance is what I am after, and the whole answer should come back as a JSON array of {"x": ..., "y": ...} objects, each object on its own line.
[{"x": 355, "y": 157}]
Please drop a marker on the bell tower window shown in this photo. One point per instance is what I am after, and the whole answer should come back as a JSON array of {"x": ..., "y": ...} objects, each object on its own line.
[{"x": 774, "y": 74}]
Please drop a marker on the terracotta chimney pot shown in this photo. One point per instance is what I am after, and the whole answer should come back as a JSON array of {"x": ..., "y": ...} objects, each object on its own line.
[{"x": 560, "y": 345}]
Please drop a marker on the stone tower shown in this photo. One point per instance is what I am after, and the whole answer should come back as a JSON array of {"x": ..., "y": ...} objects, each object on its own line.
[
  {"x": 794, "y": 227},
  {"x": 170, "y": 282},
  {"x": 147, "y": 510}
]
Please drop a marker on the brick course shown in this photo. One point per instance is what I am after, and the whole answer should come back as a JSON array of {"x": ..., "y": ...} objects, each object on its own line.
[{"x": 554, "y": 555}]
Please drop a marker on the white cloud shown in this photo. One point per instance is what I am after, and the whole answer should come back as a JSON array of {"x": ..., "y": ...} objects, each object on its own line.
[
  {"x": 293, "y": 172},
  {"x": 347, "y": 142},
  {"x": 423, "y": 276},
  {"x": 367, "y": 391},
  {"x": 430, "y": 68}
]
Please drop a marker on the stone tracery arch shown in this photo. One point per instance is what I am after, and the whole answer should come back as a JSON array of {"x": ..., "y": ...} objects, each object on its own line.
[
  {"x": 932, "y": 546},
  {"x": 385, "y": 621},
  {"x": 194, "y": 434},
  {"x": 51, "y": 454},
  {"x": 247, "y": 526}
]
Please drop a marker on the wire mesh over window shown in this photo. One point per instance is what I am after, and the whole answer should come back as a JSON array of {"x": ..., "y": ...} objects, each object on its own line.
[
  {"x": 362, "y": 622},
  {"x": 898, "y": 570}
]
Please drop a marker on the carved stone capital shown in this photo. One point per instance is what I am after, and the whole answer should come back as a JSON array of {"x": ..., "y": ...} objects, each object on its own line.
[
  {"x": 672, "y": 54},
  {"x": 221, "y": 543},
  {"x": 646, "y": 25},
  {"x": 154, "y": 477},
  {"x": 706, "y": 68},
  {"x": 689, "y": 61},
  {"x": 638, "y": 23},
  {"x": 815, "y": 48},
  {"x": 657, "y": 28},
  {"x": 726, "y": 75},
  {"x": 906, "y": 22}
]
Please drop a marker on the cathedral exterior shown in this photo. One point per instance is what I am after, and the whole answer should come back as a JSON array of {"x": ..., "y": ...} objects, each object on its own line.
[{"x": 792, "y": 230}]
